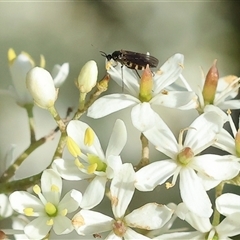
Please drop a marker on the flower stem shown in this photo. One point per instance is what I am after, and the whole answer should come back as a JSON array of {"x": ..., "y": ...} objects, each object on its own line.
[{"x": 216, "y": 215}]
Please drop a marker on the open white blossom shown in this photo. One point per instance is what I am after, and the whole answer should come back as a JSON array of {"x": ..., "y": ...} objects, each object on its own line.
[
  {"x": 228, "y": 227},
  {"x": 142, "y": 114},
  {"x": 49, "y": 210},
  {"x": 93, "y": 164},
  {"x": 150, "y": 216},
  {"x": 185, "y": 161}
]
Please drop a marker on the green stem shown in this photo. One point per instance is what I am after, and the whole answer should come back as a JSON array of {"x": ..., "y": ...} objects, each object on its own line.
[
  {"x": 29, "y": 109},
  {"x": 216, "y": 214},
  {"x": 57, "y": 118},
  {"x": 11, "y": 170},
  {"x": 18, "y": 185}
]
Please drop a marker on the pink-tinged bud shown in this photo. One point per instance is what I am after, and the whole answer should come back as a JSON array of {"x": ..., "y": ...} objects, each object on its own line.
[
  {"x": 237, "y": 143},
  {"x": 210, "y": 85},
  {"x": 185, "y": 156},
  {"x": 146, "y": 85},
  {"x": 41, "y": 86}
]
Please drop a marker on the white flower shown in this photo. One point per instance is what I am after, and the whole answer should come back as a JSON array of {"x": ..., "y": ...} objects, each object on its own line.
[
  {"x": 228, "y": 227},
  {"x": 150, "y": 216},
  {"x": 95, "y": 165},
  {"x": 87, "y": 77},
  {"x": 185, "y": 160},
  {"x": 49, "y": 210},
  {"x": 19, "y": 67},
  {"x": 41, "y": 86},
  {"x": 227, "y": 89},
  {"x": 142, "y": 111}
]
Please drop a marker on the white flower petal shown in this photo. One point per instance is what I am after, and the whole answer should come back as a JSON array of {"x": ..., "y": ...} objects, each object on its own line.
[
  {"x": 90, "y": 222},
  {"x": 18, "y": 69},
  {"x": 68, "y": 170},
  {"x": 156, "y": 173},
  {"x": 37, "y": 229},
  {"x": 225, "y": 142},
  {"x": 143, "y": 117},
  {"x": 114, "y": 164},
  {"x": 168, "y": 72},
  {"x": 5, "y": 207},
  {"x": 118, "y": 139},
  {"x": 162, "y": 138},
  {"x": 173, "y": 99},
  {"x": 76, "y": 130},
  {"x": 150, "y": 216},
  {"x": 217, "y": 167},
  {"x": 20, "y": 200},
  {"x": 113, "y": 236},
  {"x": 228, "y": 203},
  {"x": 59, "y": 74},
  {"x": 194, "y": 235},
  {"x": 199, "y": 223},
  {"x": 202, "y": 131},
  {"x": 111, "y": 103},
  {"x": 123, "y": 75},
  {"x": 94, "y": 193},
  {"x": 231, "y": 104},
  {"x": 122, "y": 189},
  {"x": 49, "y": 178},
  {"x": 193, "y": 193},
  {"x": 62, "y": 225},
  {"x": 229, "y": 226},
  {"x": 130, "y": 235},
  {"x": 70, "y": 201}
]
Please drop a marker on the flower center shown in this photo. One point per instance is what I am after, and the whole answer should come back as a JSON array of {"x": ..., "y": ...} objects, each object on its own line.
[
  {"x": 50, "y": 209},
  {"x": 119, "y": 228},
  {"x": 96, "y": 164},
  {"x": 185, "y": 156}
]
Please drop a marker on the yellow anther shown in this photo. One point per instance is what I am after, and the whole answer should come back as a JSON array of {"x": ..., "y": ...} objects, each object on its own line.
[
  {"x": 28, "y": 212},
  {"x": 37, "y": 189},
  {"x": 64, "y": 212},
  {"x": 78, "y": 163},
  {"x": 92, "y": 168},
  {"x": 73, "y": 148},
  {"x": 42, "y": 61},
  {"x": 11, "y": 56},
  {"x": 89, "y": 137},
  {"x": 49, "y": 222}
]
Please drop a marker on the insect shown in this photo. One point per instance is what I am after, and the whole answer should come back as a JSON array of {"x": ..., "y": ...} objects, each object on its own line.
[{"x": 132, "y": 60}]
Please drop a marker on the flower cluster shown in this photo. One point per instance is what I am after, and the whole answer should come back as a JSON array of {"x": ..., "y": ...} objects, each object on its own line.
[{"x": 104, "y": 175}]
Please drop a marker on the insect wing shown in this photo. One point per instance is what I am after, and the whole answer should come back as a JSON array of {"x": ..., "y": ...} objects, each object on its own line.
[{"x": 139, "y": 59}]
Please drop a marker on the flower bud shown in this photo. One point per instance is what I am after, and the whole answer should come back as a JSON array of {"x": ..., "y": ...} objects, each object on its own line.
[
  {"x": 41, "y": 86},
  {"x": 210, "y": 85},
  {"x": 146, "y": 85},
  {"x": 237, "y": 143},
  {"x": 87, "y": 77}
]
